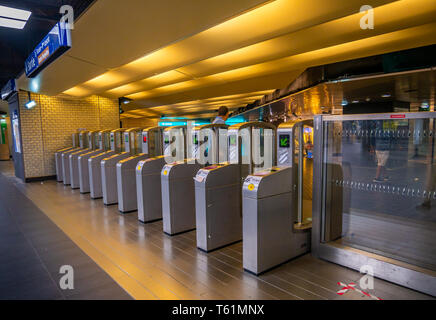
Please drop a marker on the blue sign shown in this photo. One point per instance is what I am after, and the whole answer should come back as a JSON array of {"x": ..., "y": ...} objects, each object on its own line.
[
  {"x": 51, "y": 47},
  {"x": 171, "y": 123},
  {"x": 9, "y": 88},
  {"x": 180, "y": 123}
]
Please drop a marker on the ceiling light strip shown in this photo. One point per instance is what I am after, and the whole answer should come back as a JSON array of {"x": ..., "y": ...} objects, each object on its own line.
[
  {"x": 13, "y": 13},
  {"x": 11, "y": 23}
]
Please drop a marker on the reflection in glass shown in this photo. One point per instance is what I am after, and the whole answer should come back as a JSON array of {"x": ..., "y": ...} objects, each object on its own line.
[{"x": 380, "y": 187}]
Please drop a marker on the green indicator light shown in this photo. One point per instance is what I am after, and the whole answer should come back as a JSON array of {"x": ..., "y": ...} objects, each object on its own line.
[
  {"x": 232, "y": 139},
  {"x": 284, "y": 140}
]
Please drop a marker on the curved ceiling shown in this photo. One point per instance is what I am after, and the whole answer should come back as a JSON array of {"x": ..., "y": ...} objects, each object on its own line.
[{"x": 232, "y": 53}]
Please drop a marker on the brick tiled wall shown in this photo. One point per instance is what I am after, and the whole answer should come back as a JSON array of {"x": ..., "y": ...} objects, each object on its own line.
[
  {"x": 139, "y": 122},
  {"x": 48, "y": 127}
]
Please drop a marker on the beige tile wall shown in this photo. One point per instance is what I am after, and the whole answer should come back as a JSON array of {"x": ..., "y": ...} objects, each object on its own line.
[
  {"x": 48, "y": 127},
  {"x": 139, "y": 122}
]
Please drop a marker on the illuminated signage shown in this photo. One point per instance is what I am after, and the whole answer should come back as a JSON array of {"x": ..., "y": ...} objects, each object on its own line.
[
  {"x": 170, "y": 124},
  {"x": 51, "y": 47},
  {"x": 398, "y": 116}
]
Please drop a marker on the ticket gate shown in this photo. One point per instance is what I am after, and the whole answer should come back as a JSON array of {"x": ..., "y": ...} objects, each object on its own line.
[
  {"x": 176, "y": 182},
  {"x": 178, "y": 189},
  {"x": 94, "y": 166},
  {"x": 276, "y": 222},
  {"x": 148, "y": 176},
  {"x": 109, "y": 168},
  {"x": 103, "y": 145},
  {"x": 74, "y": 159},
  {"x": 218, "y": 187},
  {"x": 149, "y": 141},
  {"x": 83, "y": 144},
  {"x": 58, "y": 156}
]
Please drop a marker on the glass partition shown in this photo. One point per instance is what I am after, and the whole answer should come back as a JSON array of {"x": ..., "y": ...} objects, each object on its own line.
[
  {"x": 379, "y": 191},
  {"x": 137, "y": 142}
]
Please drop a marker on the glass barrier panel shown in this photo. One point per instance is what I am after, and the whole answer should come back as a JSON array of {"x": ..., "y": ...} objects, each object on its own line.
[{"x": 380, "y": 187}]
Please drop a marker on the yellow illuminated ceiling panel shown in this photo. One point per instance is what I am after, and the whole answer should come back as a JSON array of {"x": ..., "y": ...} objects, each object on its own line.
[
  {"x": 243, "y": 30},
  {"x": 165, "y": 78},
  {"x": 391, "y": 17},
  {"x": 242, "y": 49},
  {"x": 346, "y": 29},
  {"x": 341, "y": 30},
  {"x": 383, "y": 43},
  {"x": 78, "y": 92},
  {"x": 246, "y": 97}
]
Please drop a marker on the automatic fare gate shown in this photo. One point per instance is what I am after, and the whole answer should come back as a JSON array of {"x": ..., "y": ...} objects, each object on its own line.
[
  {"x": 109, "y": 167},
  {"x": 148, "y": 175},
  {"x": 276, "y": 217},
  {"x": 178, "y": 188},
  {"x": 103, "y": 145},
  {"x": 148, "y": 145},
  {"x": 178, "y": 199},
  {"x": 218, "y": 187},
  {"x": 94, "y": 163},
  {"x": 58, "y": 156},
  {"x": 83, "y": 144},
  {"x": 74, "y": 158}
]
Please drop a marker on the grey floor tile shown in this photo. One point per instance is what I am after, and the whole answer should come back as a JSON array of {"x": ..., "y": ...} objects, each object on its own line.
[{"x": 32, "y": 250}]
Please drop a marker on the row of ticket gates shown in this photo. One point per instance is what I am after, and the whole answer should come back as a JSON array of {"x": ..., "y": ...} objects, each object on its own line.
[{"x": 219, "y": 184}]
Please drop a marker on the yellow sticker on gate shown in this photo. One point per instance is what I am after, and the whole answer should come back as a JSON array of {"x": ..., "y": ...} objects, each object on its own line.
[
  {"x": 251, "y": 187},
  {"x": 165, "y": 172}
]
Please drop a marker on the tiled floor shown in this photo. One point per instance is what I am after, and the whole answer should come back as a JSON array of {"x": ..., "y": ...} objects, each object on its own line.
[
  {"x": 32, "y": 250},
  {"x": 151, "y": 265}
]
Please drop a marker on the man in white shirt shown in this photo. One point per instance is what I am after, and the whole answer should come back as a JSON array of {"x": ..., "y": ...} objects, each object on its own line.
[{"x": 223, "y": 114}]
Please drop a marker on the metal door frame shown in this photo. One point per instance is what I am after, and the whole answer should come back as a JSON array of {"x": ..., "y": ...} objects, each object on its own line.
[{"x": 395, "y": 271}]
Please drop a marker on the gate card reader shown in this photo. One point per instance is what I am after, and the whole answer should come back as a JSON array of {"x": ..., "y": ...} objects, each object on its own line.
[
  {"x": 178, "y": 189},
  {"x": 125, "y": 171},
  {"x": 148, "y": 173},
  {"x": 126, "y": 182},
  {"x": 273, "y": 204},
  {"x": 94, "y": 166},
  {"x": 148, "y": 189},
  {"x": 109, "y": 169},
  {"x": 103, "y": 145},
  {"x": 178, "y": 198},
  {"x": 83, "y": 144},
  {"x": 147, "y": 140},
  {"x": 74, "y": 158},
  {"x": 58, "y": 162},
  {"x": 268, "y": 225},
  {"x": 58, "y": 156},
  {"x": 218, "y": 193},
  {"x": 217, "y": 204}
]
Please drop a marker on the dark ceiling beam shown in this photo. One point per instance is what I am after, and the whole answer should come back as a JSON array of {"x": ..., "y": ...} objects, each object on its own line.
[{"x": 53, "y": 18}]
